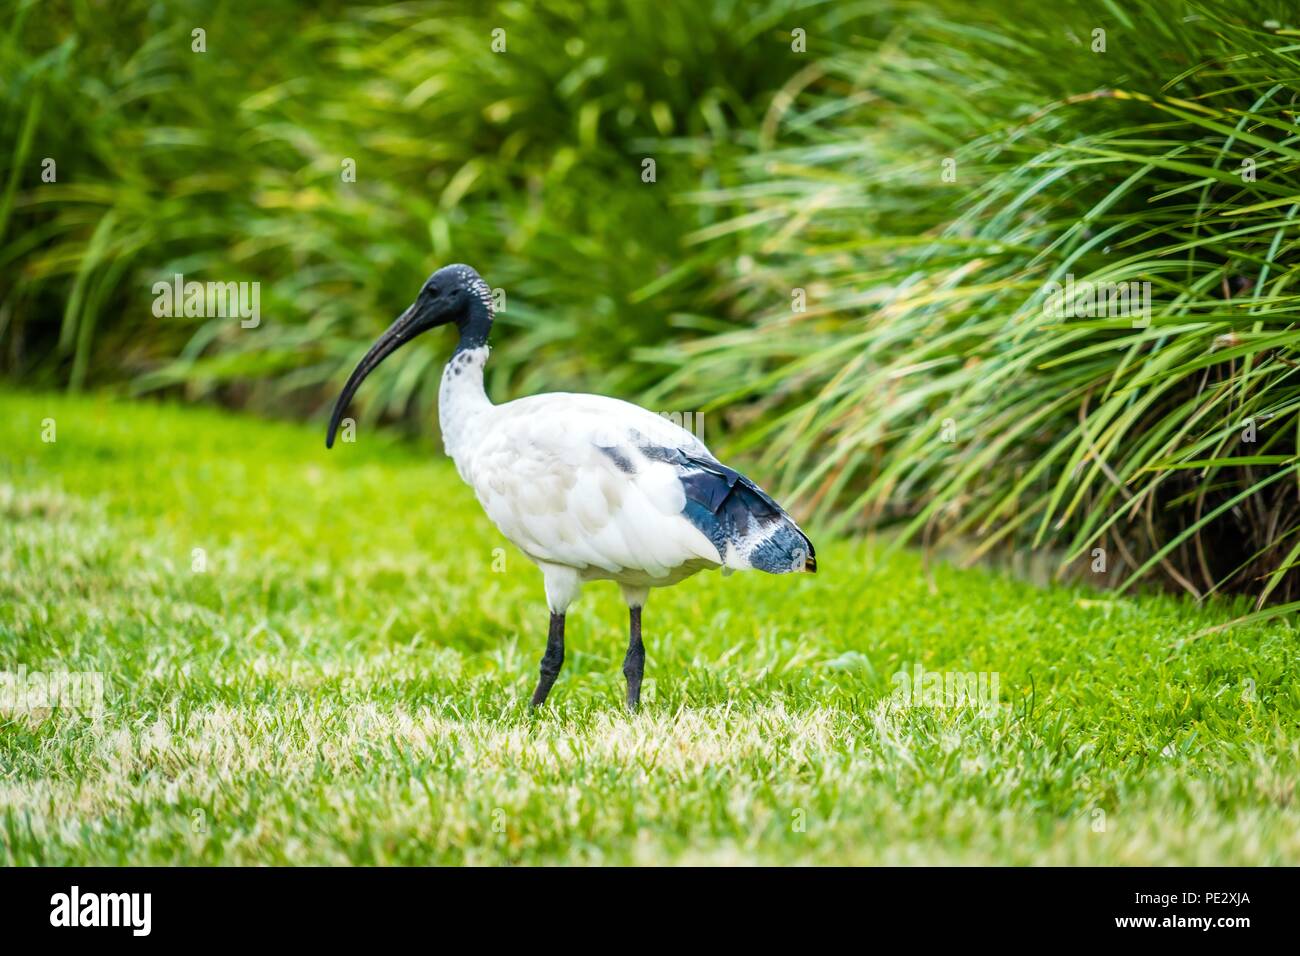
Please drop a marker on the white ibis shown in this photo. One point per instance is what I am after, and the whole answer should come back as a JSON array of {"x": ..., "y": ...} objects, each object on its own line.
[{"x": 589, "y": 488}]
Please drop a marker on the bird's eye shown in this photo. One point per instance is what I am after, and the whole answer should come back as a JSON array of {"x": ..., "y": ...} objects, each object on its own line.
[{"x": 432, "y": 291}]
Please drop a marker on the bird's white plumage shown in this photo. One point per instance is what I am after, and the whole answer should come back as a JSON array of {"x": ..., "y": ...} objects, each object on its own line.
[{"x": 560, "y": 477}]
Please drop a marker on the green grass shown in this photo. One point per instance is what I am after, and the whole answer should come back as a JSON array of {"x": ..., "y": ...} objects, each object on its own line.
[{"x": 347, "y": 683}]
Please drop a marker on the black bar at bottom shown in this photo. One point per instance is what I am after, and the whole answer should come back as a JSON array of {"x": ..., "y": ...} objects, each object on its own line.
[{"x": 335, "y": 906}]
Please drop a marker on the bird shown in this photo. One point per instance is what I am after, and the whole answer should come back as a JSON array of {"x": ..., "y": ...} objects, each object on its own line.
[{"x": 588, "y": 487}]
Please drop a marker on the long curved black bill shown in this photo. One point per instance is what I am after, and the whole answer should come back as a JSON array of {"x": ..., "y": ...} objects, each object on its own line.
[{"x": 404, "y": 328}]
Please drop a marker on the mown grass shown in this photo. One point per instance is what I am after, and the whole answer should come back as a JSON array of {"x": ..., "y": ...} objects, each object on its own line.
[{"x": 346, "y": 683}]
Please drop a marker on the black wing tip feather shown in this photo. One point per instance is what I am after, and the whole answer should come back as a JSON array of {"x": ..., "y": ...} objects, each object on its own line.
[{"x": 810, "y": 557}]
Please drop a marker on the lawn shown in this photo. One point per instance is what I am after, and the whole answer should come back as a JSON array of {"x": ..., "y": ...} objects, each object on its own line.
[{"x": 341, "y": 674}]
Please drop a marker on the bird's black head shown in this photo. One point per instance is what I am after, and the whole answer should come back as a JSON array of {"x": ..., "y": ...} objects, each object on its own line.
[
  {"x": 454, "y": 294},
  {"x": 458, "y": 294}
]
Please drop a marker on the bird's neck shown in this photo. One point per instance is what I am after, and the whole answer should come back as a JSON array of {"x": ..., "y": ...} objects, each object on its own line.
[{"x": 462, "y": 403}]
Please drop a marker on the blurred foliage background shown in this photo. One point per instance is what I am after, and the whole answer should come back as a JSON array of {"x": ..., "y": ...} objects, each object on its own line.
[
  {"x": 228, "y": 165},
  {"x": 1107, "y": 141}
]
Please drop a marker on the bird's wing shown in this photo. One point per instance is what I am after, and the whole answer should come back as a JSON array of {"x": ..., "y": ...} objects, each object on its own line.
[
  {"x": 562, "y": 477},
  {"x": 745, "y": 524},
  {"x": 588, "y": 481}
]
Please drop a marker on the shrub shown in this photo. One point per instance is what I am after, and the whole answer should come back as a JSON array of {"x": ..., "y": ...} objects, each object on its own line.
[{"x": 929, "y": 381}]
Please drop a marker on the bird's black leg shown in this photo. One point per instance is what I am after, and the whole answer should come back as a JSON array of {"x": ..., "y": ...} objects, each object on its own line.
[
  {"x": 552, "y": 660},
  {"x": 634, "y": 663}
]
